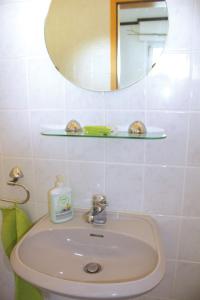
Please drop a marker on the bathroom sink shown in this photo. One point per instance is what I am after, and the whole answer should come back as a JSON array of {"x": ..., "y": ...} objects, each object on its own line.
[{"x": 122, "y": 258}]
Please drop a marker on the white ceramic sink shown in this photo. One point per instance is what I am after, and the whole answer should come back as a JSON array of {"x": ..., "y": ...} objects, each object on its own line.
[{"x": 127, "y": 250}]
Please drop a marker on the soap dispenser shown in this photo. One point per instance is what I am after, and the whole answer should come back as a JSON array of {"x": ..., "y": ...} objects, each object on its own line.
[{"x": 60, "y": 202}]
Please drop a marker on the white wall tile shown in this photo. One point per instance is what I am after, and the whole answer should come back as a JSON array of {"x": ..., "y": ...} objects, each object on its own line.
[
  {"x": 195, "y": 96},
  {"x": 124, "y": 187},
  {"x": 169, "y": 230},
  {"x": 172, "y": 150},
  {"x": 192, "y": 193},
  {"x": 36, "y": 13},
  {"x": 180, "y": 32},
  {"x": 125, "y": 151},
  {"x": 132, "y": 98},
  {"x": 77, "y": 98},
  {"x": 20, "y": 40},
  {"x": 86, "y": 149},
  {"x": 46, "y": 85},
  {"x": 86, "y": 179},
  {"x": 189, "y": 248},
  {"x": 7, "y": 280},
  {"x": 13, "y": 32},
  {"x": 2, "y": 180},
  {"x": 194, "y": 142},
  {"x": 41, "y": 209},
  {"x": 45, "y": 146},
  {"x": 187, "y": 282},
  {"x": 169, "y": 83},
  {"x": 13, "y": 84},
  {"x": 15, "y": 133},
  {"x": 196, "y": 24},
  {"x": 163, "y": 190},
  {"x": 0, "y": 147},
  {"x": 45, "y": 175}
]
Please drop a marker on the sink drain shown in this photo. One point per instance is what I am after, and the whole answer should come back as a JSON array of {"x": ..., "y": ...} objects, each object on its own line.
[{"x": 92, "y": 268}]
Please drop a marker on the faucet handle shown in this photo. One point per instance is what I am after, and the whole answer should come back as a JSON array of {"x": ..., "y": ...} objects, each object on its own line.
[{"x": 99, "y": 200}]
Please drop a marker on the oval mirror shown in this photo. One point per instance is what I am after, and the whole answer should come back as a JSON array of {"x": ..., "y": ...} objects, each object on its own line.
[{"x": 105, "y": 45}]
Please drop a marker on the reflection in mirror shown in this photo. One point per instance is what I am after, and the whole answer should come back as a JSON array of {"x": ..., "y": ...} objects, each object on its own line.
[{"x": 105, "y": 45}]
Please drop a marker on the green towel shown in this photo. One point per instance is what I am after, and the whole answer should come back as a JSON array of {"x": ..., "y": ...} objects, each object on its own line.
[{"x": 14, "y": 225}]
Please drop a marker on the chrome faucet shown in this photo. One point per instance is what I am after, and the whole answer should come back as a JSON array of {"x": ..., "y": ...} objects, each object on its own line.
[{"x": 97, "y": 214}]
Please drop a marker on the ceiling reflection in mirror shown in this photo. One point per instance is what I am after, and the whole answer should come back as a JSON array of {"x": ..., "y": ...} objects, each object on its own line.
[{"x": 105, "y": 45}]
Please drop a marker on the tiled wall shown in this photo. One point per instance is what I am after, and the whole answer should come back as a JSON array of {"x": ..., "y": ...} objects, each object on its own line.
[{"x": 158, "y": 177}]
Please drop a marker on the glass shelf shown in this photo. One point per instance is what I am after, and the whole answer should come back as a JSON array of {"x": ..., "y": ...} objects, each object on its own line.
[{"x": 156, "y": 135}]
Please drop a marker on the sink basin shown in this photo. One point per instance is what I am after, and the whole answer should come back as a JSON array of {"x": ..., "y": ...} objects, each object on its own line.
[{"x": 120, "y": 259}]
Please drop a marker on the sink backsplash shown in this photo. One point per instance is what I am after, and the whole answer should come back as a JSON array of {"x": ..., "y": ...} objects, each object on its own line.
[{"x": 158, "y": 177}]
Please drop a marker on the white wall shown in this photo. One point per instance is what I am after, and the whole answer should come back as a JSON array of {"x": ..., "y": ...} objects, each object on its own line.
[{"x": 157, "y": 177}]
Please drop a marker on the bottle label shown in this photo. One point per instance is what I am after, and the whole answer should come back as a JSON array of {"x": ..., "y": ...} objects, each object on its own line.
[{"x": 63, "y": 207}]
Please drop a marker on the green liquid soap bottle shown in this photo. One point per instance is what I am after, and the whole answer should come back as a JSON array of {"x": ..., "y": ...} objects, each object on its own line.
[{"x": 60, "y": 202}]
